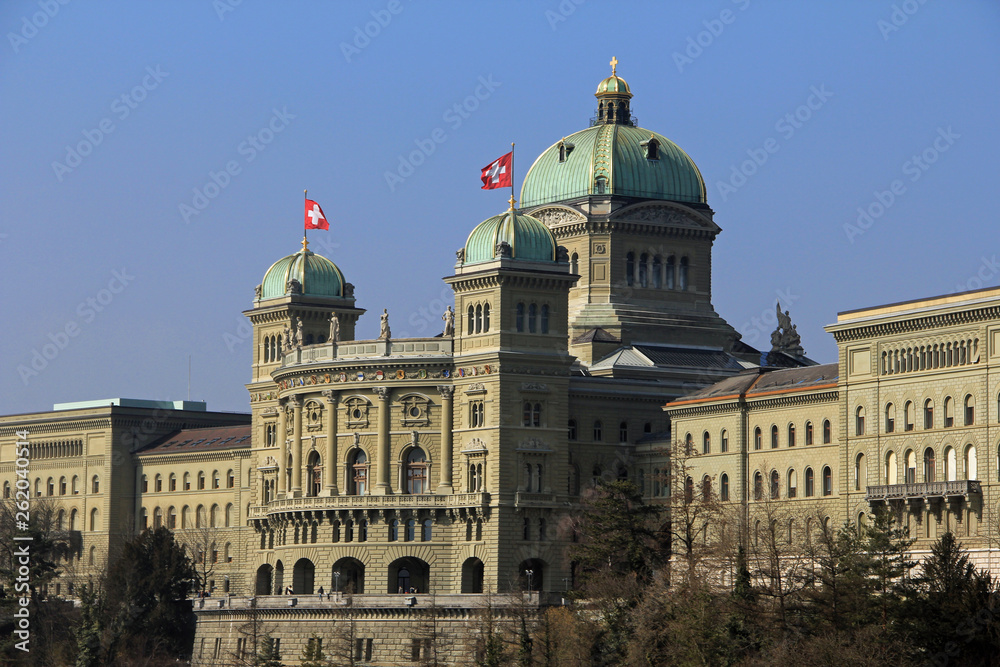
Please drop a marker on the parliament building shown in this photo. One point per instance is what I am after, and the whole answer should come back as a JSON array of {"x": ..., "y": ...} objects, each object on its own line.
[{"x": 391, "y": 483}]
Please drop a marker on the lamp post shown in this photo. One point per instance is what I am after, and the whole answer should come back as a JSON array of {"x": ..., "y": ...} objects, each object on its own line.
[
  {"x": 336, "y": 578},
  {"x": 528, "y": 573},
  {"x": 566, "y": 584}
]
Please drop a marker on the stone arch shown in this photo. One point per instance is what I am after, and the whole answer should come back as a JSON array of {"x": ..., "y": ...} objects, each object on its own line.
[
  {"x": 265, "y": 580},
  {"x": 303, "y": 577},
  {"x": 352, "y": 576},
  {"x": 473, "y": 571},
  {"x": 410, "y": 574}
]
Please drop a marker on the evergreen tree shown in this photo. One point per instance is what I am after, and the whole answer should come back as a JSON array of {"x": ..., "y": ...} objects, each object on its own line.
[
  {"x": 312, "y": 654},
  {"x": 269, "y": 655}
]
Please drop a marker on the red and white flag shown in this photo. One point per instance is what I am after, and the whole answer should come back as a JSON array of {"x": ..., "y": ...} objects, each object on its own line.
[
  {"x": 497, "y": 173},
  {"x": 314, "y": 216}
]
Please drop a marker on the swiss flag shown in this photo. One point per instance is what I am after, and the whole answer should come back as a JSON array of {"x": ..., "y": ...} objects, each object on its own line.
[
  {"x": 497, "y": 173},
  {"x": 314, "y": 216}
]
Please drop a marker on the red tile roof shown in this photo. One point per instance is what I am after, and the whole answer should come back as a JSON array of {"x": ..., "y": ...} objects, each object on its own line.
[{"x": 201, "y": 440}]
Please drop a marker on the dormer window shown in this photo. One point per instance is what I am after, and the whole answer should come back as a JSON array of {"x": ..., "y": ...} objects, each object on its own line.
[
  {"x": 600, "y": 185},
  {"x": 652, "y": 147},
  {"x": 565, "y": 148}
]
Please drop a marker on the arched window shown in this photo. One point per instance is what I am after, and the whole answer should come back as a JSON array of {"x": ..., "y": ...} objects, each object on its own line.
[
  {"x": 143, "y": 519},
  {"x": 486, "y": 317},
  {"x": 706, "y": 488},
  {"x": 358, "y": 472},
  {"x": 775, "y": 489},
  {"x": 215, "y": 479},
  {"x": 950, "y": 469},
  {"x": 652, "y": 150},
  {"x": 230, "y": 521},
  {"x": 758, "y": 486},
  {"x": 545, "y": 318},
  {"x": 185, "y": 517},
  {"x": 643, "y": 270},
  {"x": 630, "y": 269},
  {"x": 688, "y": 444},
  {"x": 574, "y": 264},
  {"x": 970, "y": 410},
  {"x": 791, "y": 435},
  {"x": 682, "y": 279},
  {"x": 891, "y": 472},
  {"x": 479, "y": 318},
  {"x": 859, "y": 421},
  {"x": 230, "y": 479},
  {"x": 724, "y": 441},
  {"x": 929, "y": 465},
  {"x": 62, "y": 485},
  {"x": 623, "y": 432},
  {"x": 910, "y": 472},
  {"x": 774, "y": 437},
  {"x": 394, "y": 530},
  {"x": 50, "y": 487},
  {"x": 827, "y": 432},
  {"x": 416, "y": 471},
  {"x": 172, "y": 486},
  {"x": 532, "y": 318},
  {"x": 157, "y": 518},
  {"x": 201, "y": 517},
  {"x": 860, "y": 473},
  {"x": 908, "y": 416},
  {"x": 425, "y": 532},
  {"x": 928, "y": 414},
  {"x": 187, "y": 481},
  {"x": 171, "y": 518},
  {"x": 724, "y": 487},
  {"x": 890, "y": 418},
  {"x": 810, "y": 490},
  {"x": 827, "y": 481},
  {"x": 809, "y": 433},
  {"x": 949, "y": 412},
  {"x": 793, "y": 483},
  {"x": 157, "y": 483},
  {"x": 471, "y": 328},
  {"x": 411, "y": 530},
  {"x": 571, "y": 429},
  {"x": 706, "y": 443},
  {"x": 6, "y": 489},
  {"x": 668, "y": 274},
  {"x": 598, "y": 431},
  {"x": 94, "y": 523},
  {"x": 757, "y": 438},
  {"x": 519, "y": 317},
  {"x": 657, "y": 271},
  {"x": 971, "y": 464},
  {"x": 95, "y": 486}
]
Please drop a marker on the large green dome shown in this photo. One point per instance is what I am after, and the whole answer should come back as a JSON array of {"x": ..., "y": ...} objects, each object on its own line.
[
  {"x": 526, "y": 237},
  {"x": 316, "y": 275},
  {"x": 613, "y": 159}
]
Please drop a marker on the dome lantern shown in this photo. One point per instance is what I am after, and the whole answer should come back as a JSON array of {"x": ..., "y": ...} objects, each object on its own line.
[{"x": 613, "y": 97}]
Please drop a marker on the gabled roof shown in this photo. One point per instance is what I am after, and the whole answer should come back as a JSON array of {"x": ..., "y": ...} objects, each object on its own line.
[
  {"x": 765, "y": 381},
  {"x": 597, "y": 335},
  {"x": 191, "y": 440},
  {"x": 648, "y": 355}
]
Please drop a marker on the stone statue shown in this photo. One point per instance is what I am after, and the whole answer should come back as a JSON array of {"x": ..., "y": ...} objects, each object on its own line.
[
  {"x": 449, "y": 322},
  {"x": 334, "y": 328},
  {"x": 293, "y": 286},
  {"x": 460, "y": 255},
  {"x": 785, "y": 338},
  {"x": 502, "y": 250},
  {"x": 384, "y": 333},
  {"x": 562, "y": 254},
  {"x": 258, "y": 291},
  {"x": 348, "y": 290},
  {"x": 288, "y": 339},
  {"x": 299, "y": 338}
]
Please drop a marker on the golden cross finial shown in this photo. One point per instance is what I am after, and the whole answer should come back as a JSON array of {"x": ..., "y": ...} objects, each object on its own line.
[{"x": 614, "y": 65}]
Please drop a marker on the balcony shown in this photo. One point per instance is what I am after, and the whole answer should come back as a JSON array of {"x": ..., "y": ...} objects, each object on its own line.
[
  {"x": 927, "y": 490},
  {"x": 393, "y": 502},
  {"x": 364, "y": 349}
]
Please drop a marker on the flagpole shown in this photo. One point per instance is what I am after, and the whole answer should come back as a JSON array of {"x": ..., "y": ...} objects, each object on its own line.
[
  {"x": 512, "y": 175},
  {"x": 305, "y": 230}
]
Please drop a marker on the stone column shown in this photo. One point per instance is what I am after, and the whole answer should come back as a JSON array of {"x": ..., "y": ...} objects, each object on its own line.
[
  {"x": 296, "y": 490},
  {"x": 332, "y": 401},
  {"x": 447, "y": 415},
  {"x": 383, "y": 486},
  {"x": 281, "y": 440}
]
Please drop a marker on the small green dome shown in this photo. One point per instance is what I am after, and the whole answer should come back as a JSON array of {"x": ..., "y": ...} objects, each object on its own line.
[
  {"x": 317, "y": 276},
  {"x": 528, "y": 239},
  {"x": 613, "y": 159},
  {"x": 613, "y": 84}
]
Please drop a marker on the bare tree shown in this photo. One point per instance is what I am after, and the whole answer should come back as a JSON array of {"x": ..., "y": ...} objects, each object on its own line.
[{"x": 694, "y": 508}]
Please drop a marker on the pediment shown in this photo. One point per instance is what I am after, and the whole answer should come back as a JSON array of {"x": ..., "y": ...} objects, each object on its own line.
[
  {"x": 558, "y": 215},
  {"x": 664, "y": 213}
]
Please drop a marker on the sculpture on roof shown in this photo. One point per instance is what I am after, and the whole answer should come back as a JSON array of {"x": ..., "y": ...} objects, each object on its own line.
[
  {"x": 785, "y": 338},
  {"x": 384, "y": 333},
  {"x": 299, "y": 338},
  {"x": 449, "y": 322},
  {"x": 334, "y": 328},
  {"x": 293, "y": 286},
  {"x": 287, "y": 333}
]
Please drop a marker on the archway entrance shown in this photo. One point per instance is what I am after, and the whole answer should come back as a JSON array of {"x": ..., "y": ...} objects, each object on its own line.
[
  {"x": 303, "y": 575},
  {"x": 472, "y": 576},
  {"x": 352, "y": 576},
  {"x": 409, "y": 575},
  {"x": 265, "y": 575}
]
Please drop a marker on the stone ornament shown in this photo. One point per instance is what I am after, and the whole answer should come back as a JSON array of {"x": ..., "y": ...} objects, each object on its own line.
[
  {"x": 384, "y": 332},
  {"x": 449, "y": 322}
]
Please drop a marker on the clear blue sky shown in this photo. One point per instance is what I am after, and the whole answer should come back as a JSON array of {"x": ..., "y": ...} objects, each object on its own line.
[{"x": 896, "y": 80}]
